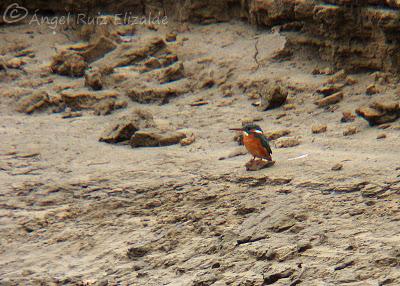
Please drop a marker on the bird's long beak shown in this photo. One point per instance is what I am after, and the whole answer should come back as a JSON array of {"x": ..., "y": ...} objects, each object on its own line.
[{"x": 236, "y": 129}]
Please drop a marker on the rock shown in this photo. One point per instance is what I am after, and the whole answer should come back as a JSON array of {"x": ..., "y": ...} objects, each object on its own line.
[
  {"x": 350, "y": 80},
  {"x": 332, "y": 99},
  {"x": 371, "y": 191},
  {"x": 384, "y": 126},
  {"x": 324, "y": 71},
  {"x": 69, "y": 63},
  {"x": 153, "y": 204},
  {"x": 152, "y": 63},
  {"x": 256, "y": 165},
  {"x": 370, "y": 114},
  {"x": 171, "y": 37},
  {"x": 386, "y": 106},
  {"x": 107, "y": 106},
  {"x": 136, "y": 53},
  {"x": 97, "y": 50},
  {"x": 338, "y": 77},
  {"x": 189, "y": 140},
  {"x": 93, "y": 79},
  {"x": 68, "y": 113},
  {"x": 199, "y": 103},
  {"x": 380, "y": 112},
  {"x": 350, "y": 131},
  {"x": 137, "y": 252},
  {"x": 14, "y": 63},
  {"x": 38, "y": 100},
  {"x": 347, "y": 117},
  {"x": 244, "y": 210},
  {"x": 287, "y": 142},
  {"x": 82, "y": 99},
  {"x": 273, "y": 95},
  {"x": 290, "y": 106},
  {"x": 316, "y": 129},
  {"x": 329, "y": 89},
  {"x": 273, "y": 135},
  {"x": 152, "y": 137},
  {"x": 337, "y": 167},
  {"x": 203, "y": 279},
  {"x": 249, "y": 120},
  {"x": 381, "y": 136},
  {"x": 276, "y": 275},
  {"x": 126, "y": 126},
  {"x": 371, "y": 90},
  {"x": 171, "y": 73}
]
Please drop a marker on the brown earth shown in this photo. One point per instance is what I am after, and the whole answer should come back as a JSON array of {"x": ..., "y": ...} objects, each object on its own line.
[{"x": 77, "y": 211}]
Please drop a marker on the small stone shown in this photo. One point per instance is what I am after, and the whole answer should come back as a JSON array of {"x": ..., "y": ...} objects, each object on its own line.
[
  {"x": 98, "y": 49},
  {"x": 371, "y": 90},
  {"x": 370, "y": 191},
  {"x": 273, "y": 95},
  {"x": 71, "y": 114},
  {"x": 347, "y": 117},
  {"x": 14, "y": 63},
  {"x": 188, "y": 140},
  {"x": 386, "y": 106},
  {"x": 325, "y": 71},
  {"x": 316, "y": 129},
  {"x": 381, "y": 136},
  {"x": 249, "y": 120},
  {"x": 93, "y": 79},
  {"x": 136, "y": 252},
  {"x": 273, "y": 135},
  {"x": 337, "y": 167},
  {"x": 378, "y": 113},
  {"x": 126, "y": 126},
  {"x": 350, "y": 80},
  {"x": 153, "y": 204},
  {"x": 332, "y": 99},
  {"x": 85, "y": 99},
  {"x": 36, "y": 101},
  {"x": 256, "y": 165},
  {"x": 338, "y": 77},
  {"x": 69, "y": 63},
  {"x": 287, "y": 142},
  {"x": 384, "y": 126},
  {"x": 350, "y": 131},
  {"x": 329, "y": 89},
  {"x": 152, "y": 137},
  {"x": 152, "y": 63},
  {"x": 244, "y": 210},
  {"x": 290, "y": 106},
  {"x": 171, "y": 37},
  {"x": 27, "y": 272}
]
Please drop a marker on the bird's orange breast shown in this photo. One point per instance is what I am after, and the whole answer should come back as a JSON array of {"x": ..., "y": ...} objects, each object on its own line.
[{"x": 254, "y": 146}]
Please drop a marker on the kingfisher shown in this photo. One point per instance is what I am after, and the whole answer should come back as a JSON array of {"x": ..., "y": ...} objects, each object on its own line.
[{"x": 255, "y": 141}]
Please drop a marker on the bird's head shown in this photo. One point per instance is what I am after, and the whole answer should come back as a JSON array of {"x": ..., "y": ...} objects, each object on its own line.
[{"x": 249, "y": 129}]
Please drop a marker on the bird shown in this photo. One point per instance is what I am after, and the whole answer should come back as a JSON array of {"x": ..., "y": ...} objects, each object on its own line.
[{"x": 255, "y": 141}]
